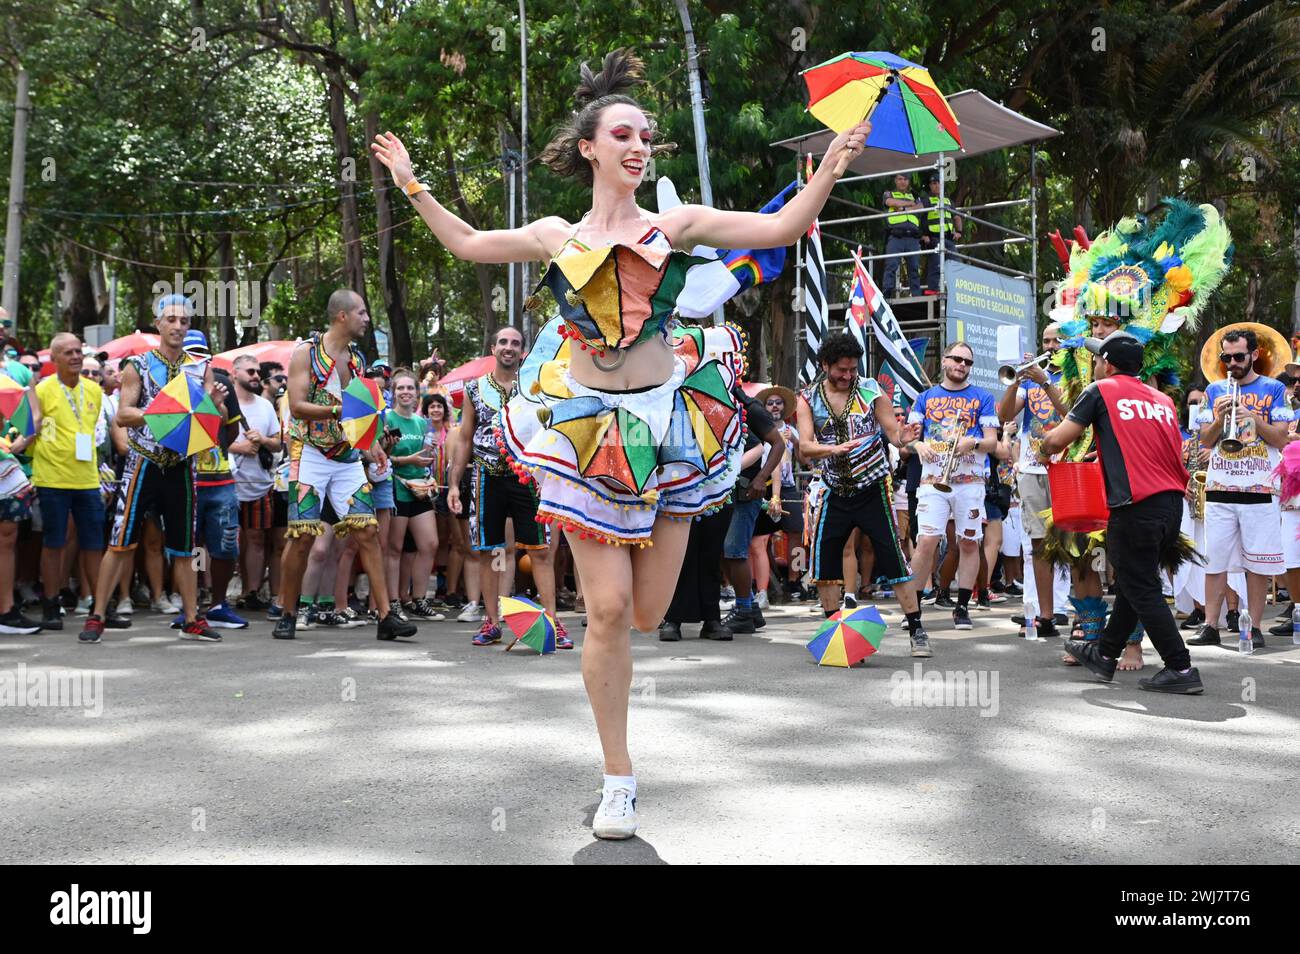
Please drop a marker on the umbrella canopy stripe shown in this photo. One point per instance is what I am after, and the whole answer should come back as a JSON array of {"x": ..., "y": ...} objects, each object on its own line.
[
  {"x": 928, "y": 135},
  {"x": 919, "y": 83}
]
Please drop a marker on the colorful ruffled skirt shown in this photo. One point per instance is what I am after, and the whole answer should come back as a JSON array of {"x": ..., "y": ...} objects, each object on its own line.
[{"x": 607, "y": 463}]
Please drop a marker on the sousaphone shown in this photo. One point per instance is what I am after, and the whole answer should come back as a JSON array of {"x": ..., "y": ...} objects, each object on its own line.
[{"x": 1274, "y": 351}]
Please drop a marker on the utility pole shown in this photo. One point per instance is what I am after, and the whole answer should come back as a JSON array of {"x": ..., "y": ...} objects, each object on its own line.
[
  {"x": 14, "y": 226},
  {"x": 526, "y": 267}
]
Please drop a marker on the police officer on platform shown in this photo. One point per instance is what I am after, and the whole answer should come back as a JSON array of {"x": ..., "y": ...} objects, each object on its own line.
[
  {"x": 941, "y": 225},
  {"x": 903, "y": 234}
]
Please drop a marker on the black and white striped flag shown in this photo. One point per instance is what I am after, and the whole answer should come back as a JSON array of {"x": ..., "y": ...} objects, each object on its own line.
[
  {"x": 814, "y": 295},
  {"x": 867, "y": 303}
]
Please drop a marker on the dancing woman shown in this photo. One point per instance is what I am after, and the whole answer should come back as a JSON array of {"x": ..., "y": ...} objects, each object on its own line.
[{"x": 624, "y": 420}]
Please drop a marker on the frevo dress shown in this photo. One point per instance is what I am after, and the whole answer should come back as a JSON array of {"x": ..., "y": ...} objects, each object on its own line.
[{"x": 607, "y": 463}]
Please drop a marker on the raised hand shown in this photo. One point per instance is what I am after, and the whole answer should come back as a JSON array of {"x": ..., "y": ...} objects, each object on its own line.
[
  {"x": 847, "y": 146},
  {"x": 389, "y": 150}
]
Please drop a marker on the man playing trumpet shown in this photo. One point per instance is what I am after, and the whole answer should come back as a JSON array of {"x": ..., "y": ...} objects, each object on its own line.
[
  {"x": 1242, "y": 519},
  {"x": 959, "y": 429}
]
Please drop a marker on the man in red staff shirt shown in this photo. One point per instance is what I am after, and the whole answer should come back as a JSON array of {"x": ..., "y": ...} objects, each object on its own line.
[{"x": 1140, "y": 448}]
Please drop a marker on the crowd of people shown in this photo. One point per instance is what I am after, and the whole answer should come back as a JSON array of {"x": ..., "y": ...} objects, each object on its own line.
[{"x": 627, "y": 426}]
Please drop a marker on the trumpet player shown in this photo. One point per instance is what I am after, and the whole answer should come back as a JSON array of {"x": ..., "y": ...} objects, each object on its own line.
[
  {"x": 1035, "y": 395},
  {"x": 1242, "y": 519},
  {"x": 959, "y": 430}
]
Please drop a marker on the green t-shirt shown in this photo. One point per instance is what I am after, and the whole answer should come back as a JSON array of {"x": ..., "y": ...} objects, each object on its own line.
[
  {"x": 413, "y": 430},
  {"x": 18, "y": 371}
]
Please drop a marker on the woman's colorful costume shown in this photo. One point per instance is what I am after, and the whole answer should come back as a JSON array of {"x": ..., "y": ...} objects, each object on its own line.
[{"x": 607, "y": 463}]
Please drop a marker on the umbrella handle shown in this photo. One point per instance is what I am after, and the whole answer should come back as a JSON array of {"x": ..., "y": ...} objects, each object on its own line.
[
  {"x": 511, "y": 646},
  {"x": 845, "y": 159}
]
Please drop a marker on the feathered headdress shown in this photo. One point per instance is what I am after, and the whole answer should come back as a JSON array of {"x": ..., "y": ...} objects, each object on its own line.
[{"x": 1151, "y": 278}]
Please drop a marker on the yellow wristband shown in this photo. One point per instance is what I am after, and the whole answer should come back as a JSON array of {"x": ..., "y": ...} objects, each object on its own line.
[{"x": 414, "y": 186}]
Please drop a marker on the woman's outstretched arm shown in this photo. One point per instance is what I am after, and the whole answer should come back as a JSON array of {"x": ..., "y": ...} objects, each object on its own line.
[
  {"x": 531, "y": 243},
  {"x": 691, "y": 225}
]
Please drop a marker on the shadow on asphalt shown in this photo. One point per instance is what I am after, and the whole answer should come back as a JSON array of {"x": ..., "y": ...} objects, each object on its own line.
[
  {"x": 1201, "y": 708},
  {"x": 633, "y": 851}
]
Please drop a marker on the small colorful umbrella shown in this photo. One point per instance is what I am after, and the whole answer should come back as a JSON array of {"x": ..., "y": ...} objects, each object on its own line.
[
  {"x": 848, "y": 637},
  {"x": 182, "y": 417},
  {"x": 907, "y": 111},
  {"x": 363, "y": 412},
  {"x": 22, "y": 418},
  {"x": 11, "y": 395},
  {"x": 531, "y": 624}
]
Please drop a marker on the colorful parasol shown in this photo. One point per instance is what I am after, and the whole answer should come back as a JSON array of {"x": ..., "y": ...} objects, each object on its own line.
[
  {"x": 11, "y": 395},
  {"x": 21, "y": 419},
  {"x": 907, "y": 111},
  {"x": 848, "y": 637},
  {"x": 182, "y": 417},
  {"x": 530, "y": 624},
  {"x": 363, "y": 412}
]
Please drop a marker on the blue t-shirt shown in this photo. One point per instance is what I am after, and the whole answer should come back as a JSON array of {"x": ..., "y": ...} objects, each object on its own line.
[
  {"x": 946, "y": 416},
  {"x": 1038, "y": 417},
  {"x": 1250, "y": 470}
]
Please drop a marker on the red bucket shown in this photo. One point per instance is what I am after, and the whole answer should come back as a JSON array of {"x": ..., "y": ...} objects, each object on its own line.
[{"x": 1078, "y": 497}]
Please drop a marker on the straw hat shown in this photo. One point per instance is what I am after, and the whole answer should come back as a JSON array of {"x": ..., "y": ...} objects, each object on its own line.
[{"x": 784, "y": 393}]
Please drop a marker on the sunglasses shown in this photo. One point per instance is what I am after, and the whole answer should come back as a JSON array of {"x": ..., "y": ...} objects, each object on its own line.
[
  {"x": 1233, "y": 358},
  {"x": 88, "y": 373},
  {"x": 969, "y": 362}
]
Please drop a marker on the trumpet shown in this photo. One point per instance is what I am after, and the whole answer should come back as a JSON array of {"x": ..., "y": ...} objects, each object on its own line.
[
  {"x": 950, "y": 461},
  {"x": 1007, "y": 374},
  {"x": 1230, "y": 442}
]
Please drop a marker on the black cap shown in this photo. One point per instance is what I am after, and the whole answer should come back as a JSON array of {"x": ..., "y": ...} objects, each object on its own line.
[{"x": 1119, "y": 348}]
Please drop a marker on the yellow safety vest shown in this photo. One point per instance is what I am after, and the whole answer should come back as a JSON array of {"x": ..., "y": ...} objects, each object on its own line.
[
  {"x": 903, "y": 218},
  {"x": 935, "y": 214}
]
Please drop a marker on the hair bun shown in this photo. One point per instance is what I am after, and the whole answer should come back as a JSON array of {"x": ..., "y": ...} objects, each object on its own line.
[{"x": 621, "y": 71}]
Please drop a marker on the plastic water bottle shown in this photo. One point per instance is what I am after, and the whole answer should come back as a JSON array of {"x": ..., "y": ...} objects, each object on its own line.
[
  {"x": 1031, "y": 622},
  {"x": 1295, "y": 626},
  {"x": 1244, "y": 644}
]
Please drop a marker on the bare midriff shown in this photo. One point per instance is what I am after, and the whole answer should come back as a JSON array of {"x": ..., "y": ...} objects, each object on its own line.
[{"x": 648, "y": 364}]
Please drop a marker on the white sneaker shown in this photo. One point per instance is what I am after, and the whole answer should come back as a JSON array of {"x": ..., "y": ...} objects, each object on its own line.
[
  {"x": 472, "y": 613},
  {"x": 84, "y": 606},
  {"x": 616, "y": 816},
  {"x": 761, "y": 599},
  {"x": 162, "y": 605},
  {"x": 177, "y": 606},
  {"x": 728, "y": 594},
  {"x": 125, "y": 608}
]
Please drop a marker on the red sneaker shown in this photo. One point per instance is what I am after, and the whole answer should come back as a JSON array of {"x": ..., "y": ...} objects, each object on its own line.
[{"x": 562, "y": 640}]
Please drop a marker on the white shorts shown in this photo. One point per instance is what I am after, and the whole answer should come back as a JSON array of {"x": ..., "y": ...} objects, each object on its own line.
[
  {"x": 315, "y": 479},
  {"x": 1291, "y": 545},
  {"x": 1011, "y": 531},
  {"x": 963, "y": 505},
  {"x": 1243, "y": 537},
  {"x": 900, "y": 498}
]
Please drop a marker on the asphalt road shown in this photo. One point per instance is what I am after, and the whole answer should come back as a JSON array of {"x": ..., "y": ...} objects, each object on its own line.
[{"x": 338, "y": 748}]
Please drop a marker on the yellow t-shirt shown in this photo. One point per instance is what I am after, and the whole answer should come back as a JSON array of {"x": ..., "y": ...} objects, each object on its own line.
[{"x": 54, "y": 453}]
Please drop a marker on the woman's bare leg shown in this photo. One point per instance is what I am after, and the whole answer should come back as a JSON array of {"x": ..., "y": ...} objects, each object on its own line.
[
  {"x": 424, "y": 529},
  {"x": 607, "y": 645}
]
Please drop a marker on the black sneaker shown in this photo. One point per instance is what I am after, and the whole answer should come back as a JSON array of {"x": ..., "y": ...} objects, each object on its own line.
[
  {"x": 15, "y": 623},
  {"x": 93, "y": 631},
  {"x": 670, "y": 632},
  {"x": 1166, "y": 680},
  {"x": 1195, "y": 620},
  {"x": 1282, "y": 627},
  {"x": 285, "y": 626},
  {"x": 1208, "y": 636},
  {"x": 961, "y": 618},
  {"x": 1060, "y": 619},
  {"x": 52, "y": 614},
  {"x": 113, "y": 621},
  {"x": 739, "y": 621},
  {"x": 944, "y": 600},
  {"x": 1014, "y": 589},
  {"x": 713, "y": 629},
  {"x": 1234, "y": 621},
  {"x": 1089, "y": 654},
  {"x": 756, "y": 615},
  {"x": 920, "y": 641},
  {"x": 928, "y": 597},
  {"x": 1047, "y": 629},
  {"x": 850, "y": 601},
  {"x": 1256, "y": 638},
  {"x": 982, "y": 600},
  {"x": 393, "y": 627},
  {"x": 253, "y": 603}
]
